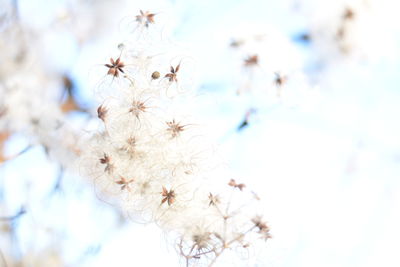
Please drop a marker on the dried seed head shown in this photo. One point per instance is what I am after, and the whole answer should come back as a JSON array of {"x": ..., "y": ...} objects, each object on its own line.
[
  {"x": 262, "y": 226},
  {"x": 115, "y": 67},
  {"x": 155, "y": 75},
  {"x": 214, "y": 200},
  {"x": 130, "y": 146},
  {"x": 145, "y": 18},
  {"x": 137, "y": 107},
  {"x": 168, "y": 196},
  {"x": 348, "y": 14},
  {"x": 124, "y": 183},
  {"x": 233, "y": 183},
  {"x": 257, "y": 220},
  {"x": 174, "y": 128},
  {"x": 131, "y": 141},
  {"x": 251, "y": 61},
  {"x": 201, "y": 240},
  {"x": 172, "y": 76},
  {"x": 107, "y": 161},
  {"x": 101, "y": 112}
]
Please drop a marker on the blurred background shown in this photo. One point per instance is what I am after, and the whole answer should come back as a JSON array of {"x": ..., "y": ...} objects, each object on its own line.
[{"x": 301, "y": 96}]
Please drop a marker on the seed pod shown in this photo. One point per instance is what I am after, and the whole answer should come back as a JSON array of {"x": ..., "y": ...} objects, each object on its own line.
[
  {"x": 155, "y": 75},
  {"x": 121, "y": 46}
]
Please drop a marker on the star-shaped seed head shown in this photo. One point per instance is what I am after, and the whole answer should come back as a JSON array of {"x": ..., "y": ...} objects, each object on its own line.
[
  {"x": 172, "y": 76},
  {"x": 146, "y": 18},
  {"x": 214, "y": 200},
  {"x": 124, "y": 183},
  {"x": 168, "y": 196},
  {"x": 137, "y": 107},
  {"x": 175, "y": 128},
  {"x": 115, "y": 67}
]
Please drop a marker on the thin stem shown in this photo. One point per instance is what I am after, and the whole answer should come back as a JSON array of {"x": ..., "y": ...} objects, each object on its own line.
[
  {"x": 216, "y": 257},
  {"x": 13, "y": 217},
  {"x": 240, "y": 236},
  {"x": 3, "y": 259},
  {"x": 203, "y": 253},
  {"x": 26, "y": 149}
]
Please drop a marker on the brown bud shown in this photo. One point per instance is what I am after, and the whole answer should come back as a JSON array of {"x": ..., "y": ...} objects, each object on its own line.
[{"x": 155, "y": 75}]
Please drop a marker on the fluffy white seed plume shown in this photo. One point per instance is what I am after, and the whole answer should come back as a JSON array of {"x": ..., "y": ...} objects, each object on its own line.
[{"x": 153, "y": 158}]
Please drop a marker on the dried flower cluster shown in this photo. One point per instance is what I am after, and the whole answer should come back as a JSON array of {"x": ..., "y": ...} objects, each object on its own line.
[
  {"x": 159, "y": 165},
  {"x": 148, "y": 154}
]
